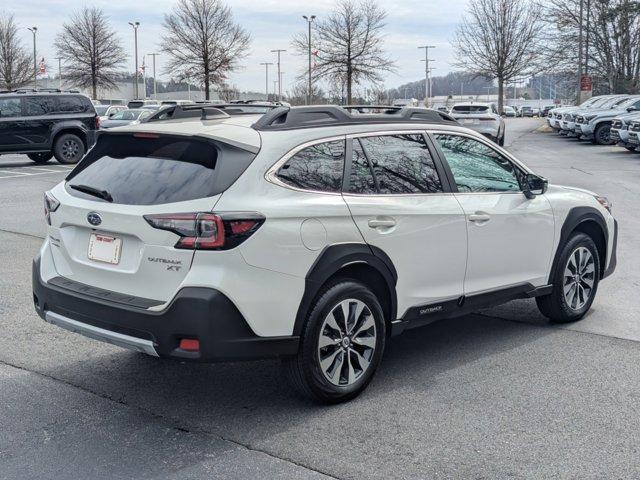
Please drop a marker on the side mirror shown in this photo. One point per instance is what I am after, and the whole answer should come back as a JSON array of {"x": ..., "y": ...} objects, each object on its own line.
[
  {"x": 112, "y": 114},
  {"x": 534, "y": 185},
  {"x": 632, "y": 109}
]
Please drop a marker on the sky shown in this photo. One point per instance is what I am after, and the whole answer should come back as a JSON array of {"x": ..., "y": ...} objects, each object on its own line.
[{"x": 271, "y": 23}]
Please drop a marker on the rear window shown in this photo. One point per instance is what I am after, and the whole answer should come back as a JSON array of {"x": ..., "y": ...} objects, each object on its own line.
[
  {"x": 470, "y": 108},
  {"x": 137, "y": 170}
]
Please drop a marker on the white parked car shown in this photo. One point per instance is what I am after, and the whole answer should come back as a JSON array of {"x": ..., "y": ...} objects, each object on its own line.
[
  {"x": 308, "y": 234},
  {"x": 106, "y": 111},
  {"x": 481, "y": 117}
]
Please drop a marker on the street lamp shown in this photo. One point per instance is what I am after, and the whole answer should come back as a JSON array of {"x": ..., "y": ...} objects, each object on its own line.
[
  {"x": 135, "y": 26},
  {"x": 35, "y": 59},
  {"x": 266, "y": 78},
  {"x": 309, "y": 21}
]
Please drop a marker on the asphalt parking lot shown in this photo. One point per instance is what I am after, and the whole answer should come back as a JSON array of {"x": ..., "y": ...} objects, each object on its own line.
[{"x": 497, "y": 394}]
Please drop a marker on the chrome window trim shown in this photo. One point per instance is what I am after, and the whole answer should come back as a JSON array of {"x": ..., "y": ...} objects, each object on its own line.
[{"x": 271, "y": 174}]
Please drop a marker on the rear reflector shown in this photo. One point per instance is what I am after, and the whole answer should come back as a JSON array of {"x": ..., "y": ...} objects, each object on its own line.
[
  {"x": 189, "y": 344},
  {"x": 146, "y": 135}
]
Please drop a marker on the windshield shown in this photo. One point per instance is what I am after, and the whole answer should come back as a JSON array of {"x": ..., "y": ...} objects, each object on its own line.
[
  {"x": 612, "y": 102},
  {"x": 629, "y": 102},
  {"x": 102, "y": 109},
  {"x": 470, "y": 108},
  {"x": 126, "y": 115}
]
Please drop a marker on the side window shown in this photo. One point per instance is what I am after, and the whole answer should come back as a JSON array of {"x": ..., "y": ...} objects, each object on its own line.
[
  {"x": 318, "y": 167},
  {"x": 10, "y": 107},
  {"x": 361, "y": 179},
  {"x": 71, "y": 105},
  {"x": 34, "y": 106},
  {"x": 402, "y": 164},
  {"x": 476, "y": 167}
]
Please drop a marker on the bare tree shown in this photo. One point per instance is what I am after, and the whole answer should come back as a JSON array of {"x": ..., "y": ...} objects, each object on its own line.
[
  {"x": 90, "y": 49},
  {"x": 613, "y": 29},
  {"x": 16, "y": 68},
  {"x": 349, "y": 44},
  {"x": 500, "y": 39},
  {"x": 203, "y": 42}
]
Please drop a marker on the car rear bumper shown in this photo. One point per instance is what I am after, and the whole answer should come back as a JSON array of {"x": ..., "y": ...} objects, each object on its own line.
[{"x": 198, "y": 313}]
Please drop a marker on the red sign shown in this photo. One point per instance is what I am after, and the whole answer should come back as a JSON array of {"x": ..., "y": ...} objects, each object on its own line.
[
  {"x": 43, "y": 69},
  {"x": 586, "y": 83}
]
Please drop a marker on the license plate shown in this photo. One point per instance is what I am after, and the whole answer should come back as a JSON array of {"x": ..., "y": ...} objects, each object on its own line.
[
  {"x": 633, "y": 138},
  {"x": 470, "y": 121},
  {"x": 103, "y": 248}
]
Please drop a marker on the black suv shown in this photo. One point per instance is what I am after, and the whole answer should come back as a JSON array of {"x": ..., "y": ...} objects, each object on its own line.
[{"x": 47, "y": 123}]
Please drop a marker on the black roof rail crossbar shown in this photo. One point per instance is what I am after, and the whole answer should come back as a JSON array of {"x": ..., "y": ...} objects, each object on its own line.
[{"x": 288, "y": 118}]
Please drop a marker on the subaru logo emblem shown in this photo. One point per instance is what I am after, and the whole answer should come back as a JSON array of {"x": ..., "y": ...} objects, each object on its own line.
[{"x": 94, "y": 219}]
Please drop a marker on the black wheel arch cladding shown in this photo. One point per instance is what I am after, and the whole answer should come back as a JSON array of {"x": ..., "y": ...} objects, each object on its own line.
[
  {"x": 577, "y": 217},
  {"x": 335, "y": 258}
]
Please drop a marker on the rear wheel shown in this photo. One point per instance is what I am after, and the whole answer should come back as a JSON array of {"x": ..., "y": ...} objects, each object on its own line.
[
  {"x": 631, "y": 149},
  {"x": 69, "y": 148},
  {"x": 602, "y": 134},
  {"x": 341, "y": 344},
  {"x": 575, "y": 281},
  {"x": 40, "y": 157}
]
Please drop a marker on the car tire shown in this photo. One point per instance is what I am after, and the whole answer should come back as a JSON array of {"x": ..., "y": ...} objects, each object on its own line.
[
  {"x": 601, "y": 135},
  {"x": 336, "y": 360},
  {"x": 501, "y": 140},
  {"x": 69, "y": 149},
  {"x": 40, "y": 157},
  {"x": 575, "y": 281},
  {"x": 631, "y": 149}
]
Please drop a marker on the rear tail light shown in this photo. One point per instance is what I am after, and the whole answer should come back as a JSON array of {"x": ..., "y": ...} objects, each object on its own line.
[
  {"x": 51, "y": 204},
  {"x": 208, "y": 231},
  {"x": 97, "y": 122}
]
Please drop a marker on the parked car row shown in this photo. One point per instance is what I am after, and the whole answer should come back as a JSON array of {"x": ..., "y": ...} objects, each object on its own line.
[{"x": 604, "y": 120}]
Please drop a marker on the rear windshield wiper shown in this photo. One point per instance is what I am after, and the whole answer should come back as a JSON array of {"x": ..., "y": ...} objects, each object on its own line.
[{"x": 96, "y": 192}]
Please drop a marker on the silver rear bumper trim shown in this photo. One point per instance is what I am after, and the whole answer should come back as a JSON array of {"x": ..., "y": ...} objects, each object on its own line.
[{"x": 96, "y": 333}]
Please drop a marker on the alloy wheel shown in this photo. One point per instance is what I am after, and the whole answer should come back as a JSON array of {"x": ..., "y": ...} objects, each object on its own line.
[
  {"x": 579, "y": 278},
  {"x": 70, "y": 149},
  {"x": 347, "y": 342}
]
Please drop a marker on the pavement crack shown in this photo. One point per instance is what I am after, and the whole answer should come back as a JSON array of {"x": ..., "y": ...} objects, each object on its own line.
[
  {"x": 170, "y": 421},
  {"x": 22, "y": 234}
]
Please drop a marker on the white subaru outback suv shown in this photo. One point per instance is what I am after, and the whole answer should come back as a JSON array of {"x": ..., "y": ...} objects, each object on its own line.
[{"x": 308, "y": 234}]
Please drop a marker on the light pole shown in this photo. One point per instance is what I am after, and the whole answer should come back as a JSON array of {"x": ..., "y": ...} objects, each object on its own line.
[
  {"x": 266, "y": 78},
  {"x": 427, "y": 92},
  {"x": 59, "y": 71},
  {"x": 155, "y": 91},
  {"x": 309, "y": 21},
  {"x": 135, "y": 26},
  {"x": 279, "y": 51},
  {"x": 144, "y": 77},
  {"x": 35, "y": 59}
]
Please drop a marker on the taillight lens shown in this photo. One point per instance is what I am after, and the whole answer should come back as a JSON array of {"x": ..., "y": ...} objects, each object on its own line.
[
  {"x": 208, "y": 231},
  {"x": 51, "y": 204},
  {"x": 97, "y": 122}
]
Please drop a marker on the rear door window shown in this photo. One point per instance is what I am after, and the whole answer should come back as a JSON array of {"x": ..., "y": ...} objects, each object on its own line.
[
  {"x": 42, "y": 105},
  {"x": 470, "y": 109},
  {"x": 148, "y": 169},
  {"x": 318, "y": 168},
  {"x": 402, "y": 164}
]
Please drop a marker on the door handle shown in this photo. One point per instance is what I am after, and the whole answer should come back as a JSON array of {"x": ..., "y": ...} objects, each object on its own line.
[
  {"x": 382, "y": 223},
  {"x": 479, "y": 217}
]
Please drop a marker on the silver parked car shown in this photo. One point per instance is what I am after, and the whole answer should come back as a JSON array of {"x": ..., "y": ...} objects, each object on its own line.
[
  {"x": 481, "y": 117},
  {"x": 595, "y": 125},
  {"x": 126, "y": 117}
]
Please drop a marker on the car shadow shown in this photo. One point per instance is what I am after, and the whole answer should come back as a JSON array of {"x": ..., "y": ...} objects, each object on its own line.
[{"x": 254, "y": 399}]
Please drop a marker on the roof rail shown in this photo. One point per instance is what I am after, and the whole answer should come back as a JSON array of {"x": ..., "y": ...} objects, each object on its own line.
[
  {"x": 288, "y": 118},
  {"x": 39, "y": 90},
  {"x": 373, "y": 108}
]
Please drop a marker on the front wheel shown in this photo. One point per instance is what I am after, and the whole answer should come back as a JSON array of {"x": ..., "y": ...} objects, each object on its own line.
[
  {"x": 69, "y": 148},
  {"x": 341, "y": 345},
  {"x": 602, "y": 135},
  {"x": 40, "y": 157},
  {"x": 575, "y": 281}
]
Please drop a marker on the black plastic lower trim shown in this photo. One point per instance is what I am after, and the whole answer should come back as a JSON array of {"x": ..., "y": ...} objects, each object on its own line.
[
  {"x": 425, "y": 314},
  {"x": 195, "y": 313}
]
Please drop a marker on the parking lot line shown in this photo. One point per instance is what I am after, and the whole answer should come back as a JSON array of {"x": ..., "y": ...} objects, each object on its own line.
[{"x": 24, "y": 175}]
